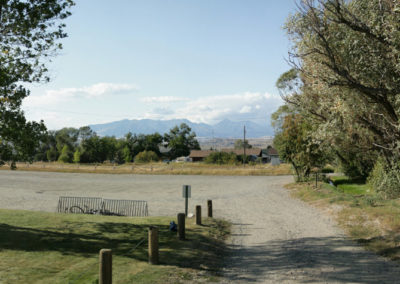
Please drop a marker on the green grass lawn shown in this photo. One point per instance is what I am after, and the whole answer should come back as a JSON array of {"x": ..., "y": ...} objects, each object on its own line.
[
  {"x": 351, "y": 186},
  {"x": 38, "y": 247}
]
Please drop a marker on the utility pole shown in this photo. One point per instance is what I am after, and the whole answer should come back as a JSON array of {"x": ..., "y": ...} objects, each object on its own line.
[
  {"x": 244, "y": 145},
  {"x": 213, "y": 141}
]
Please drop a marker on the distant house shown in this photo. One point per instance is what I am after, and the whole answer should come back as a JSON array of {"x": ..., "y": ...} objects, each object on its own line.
[
  {"x": 270, "y": 155},
  {"x": 199, "y": 155}
]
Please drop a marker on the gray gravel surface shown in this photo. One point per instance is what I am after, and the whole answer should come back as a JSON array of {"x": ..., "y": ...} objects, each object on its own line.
[{"x": 275, "y": 239}]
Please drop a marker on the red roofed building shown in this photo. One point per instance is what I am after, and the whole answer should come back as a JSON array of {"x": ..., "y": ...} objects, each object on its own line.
[{"x": 199, "y": 155}]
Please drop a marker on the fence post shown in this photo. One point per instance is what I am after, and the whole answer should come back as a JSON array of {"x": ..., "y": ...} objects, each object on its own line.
[
  {"x": 105, "y": 272},
  {"x": 209, "y": 206},
  {"x": 153, "y": 245},
  {"x": 198, "y": 215},
  {"x": 181, "y": 226}
]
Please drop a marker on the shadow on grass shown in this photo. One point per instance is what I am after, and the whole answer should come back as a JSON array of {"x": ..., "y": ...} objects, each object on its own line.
[
  {"x": 346, "y": 181},
  {"x": 386, "y": 246},
  {"x": 309, "y": 260},
  {"x": 199, "y": 251}
]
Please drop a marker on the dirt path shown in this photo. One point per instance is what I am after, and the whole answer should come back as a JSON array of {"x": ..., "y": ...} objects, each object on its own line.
[{"x": 276, "y": 239}]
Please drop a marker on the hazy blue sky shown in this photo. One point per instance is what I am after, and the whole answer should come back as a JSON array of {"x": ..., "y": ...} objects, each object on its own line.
[{"x": 204, "y": 60}]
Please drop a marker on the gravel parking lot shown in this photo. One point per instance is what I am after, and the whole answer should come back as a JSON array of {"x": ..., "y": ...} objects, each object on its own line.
[{"x": 275, "y": 239}]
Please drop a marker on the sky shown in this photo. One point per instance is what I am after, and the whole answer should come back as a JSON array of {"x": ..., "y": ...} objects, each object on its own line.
[{"x": 202, "y": 60}]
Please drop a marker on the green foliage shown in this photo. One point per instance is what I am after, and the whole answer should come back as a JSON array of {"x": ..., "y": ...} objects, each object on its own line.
[
  {"x": 327, "y": 170},
  {"x": 295, "y": 145},
  {"x": 66, "y": 155},
  {"x": 289, "y": 82},
  {"x": 77, "y": 156},
  {"x": 29, "y": 35},
  {"x": 181, "y": 140},
  {"x": 94, "y": 149},
  {"x": 127, "y": 154},
  {"x": 385, "y": 179},
  {"x": 135, "y": 144},
  {"x": 146, "y": 157},
  {"x": 51, "y": 155},
  {"x": 221, "y": 158},
  {"x": 346, "y": 56}
]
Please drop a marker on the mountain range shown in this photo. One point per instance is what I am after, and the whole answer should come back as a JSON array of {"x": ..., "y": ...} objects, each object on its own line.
[{"x": 224, "y": 129}]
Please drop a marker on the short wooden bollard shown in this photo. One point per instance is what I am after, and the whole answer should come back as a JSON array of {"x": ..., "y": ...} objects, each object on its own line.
[
  {"x": 181, "y": 226},
  {"x": 209, "y": 207},
  {"x": 105, "y": 272},
  {"x": 198, "y": 215},
  {"x": 153, "y": 245}
]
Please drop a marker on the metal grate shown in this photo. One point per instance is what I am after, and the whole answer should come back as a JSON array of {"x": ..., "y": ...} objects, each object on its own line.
[
  {"x": 124, "y": 207},
  {"x": 96, "y": 205},
  {"x": 79, "y": 205}
]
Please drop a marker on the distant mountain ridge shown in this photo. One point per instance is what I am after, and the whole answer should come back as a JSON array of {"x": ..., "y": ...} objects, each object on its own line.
[{"x": 224, "y": 129}]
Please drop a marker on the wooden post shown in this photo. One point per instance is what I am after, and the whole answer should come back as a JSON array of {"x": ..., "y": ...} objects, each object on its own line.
[
  {"x": 198, "y": 215},
  {"x": 153, "y": 245},
  {"x": 105, "y": 272},
  {"x": 181, "y": 226},
  {"x": 209, "y": 206}
]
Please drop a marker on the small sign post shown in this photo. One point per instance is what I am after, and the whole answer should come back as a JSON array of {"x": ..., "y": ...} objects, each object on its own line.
[{"x": 186, "y": 193}]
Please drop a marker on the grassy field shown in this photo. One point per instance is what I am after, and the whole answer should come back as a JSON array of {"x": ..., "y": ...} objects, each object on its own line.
[
  {"x": 368, "y": 219},
  {"x": 38, "y": 247},
  {"x": 350, "y": 186},
  {"x": 158, "y": 168}
]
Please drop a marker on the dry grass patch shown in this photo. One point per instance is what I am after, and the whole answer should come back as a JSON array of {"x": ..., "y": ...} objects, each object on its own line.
[
  {"x": 369, "y": 220},
  {"x": 159, "y": 169}
]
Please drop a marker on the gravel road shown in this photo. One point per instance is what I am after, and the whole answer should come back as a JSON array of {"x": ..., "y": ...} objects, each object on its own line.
[{"x": 276, "y": 239}]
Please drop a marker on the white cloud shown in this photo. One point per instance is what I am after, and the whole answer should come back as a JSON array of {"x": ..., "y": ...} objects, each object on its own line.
[
  {"x": 254, "y": 106},
  {"x": 76, "y": 107},
  {"x": 164, "y": 99},
  {"x": 101, "y": 89},
  {"x": 245, "y": 109},
  {"x": 54, "y": 97}
]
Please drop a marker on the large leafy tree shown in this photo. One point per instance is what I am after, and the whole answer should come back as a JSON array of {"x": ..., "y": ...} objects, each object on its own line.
[
  {"x": 181, "y": 140},
  {"x": 295, "y": 144},
  {"x": 345, "y": 56},
  {"x": 30, "y": 31},
  {"x": 347, "y": 53}
]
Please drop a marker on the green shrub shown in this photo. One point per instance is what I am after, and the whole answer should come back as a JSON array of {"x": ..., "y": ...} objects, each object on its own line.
[
  {"x": 221, "y": 158},
  {"x": 66, "y": 155},
  {"x": 385, "y": 179},
  {"x": 51, "y": 155},
  {"x": 327, "y": 170},
  {"x": 77, "y": 156},
  {"x": 146, "y": 157}
]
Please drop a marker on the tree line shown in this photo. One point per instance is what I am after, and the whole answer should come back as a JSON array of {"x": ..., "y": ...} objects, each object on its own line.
[
  {"x": 342, "y": 95},
  {"x": 72, "y": 145}
]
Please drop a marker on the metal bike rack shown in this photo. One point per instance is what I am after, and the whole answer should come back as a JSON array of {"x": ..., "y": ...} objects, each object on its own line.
[{"x": 96, "y": 205}]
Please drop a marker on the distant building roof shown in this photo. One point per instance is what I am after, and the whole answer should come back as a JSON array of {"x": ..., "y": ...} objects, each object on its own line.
[
  {"x": 272, "y": 152},
  {"x": 249, "y": 152},
  {"x": 200, "y": 153}
]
